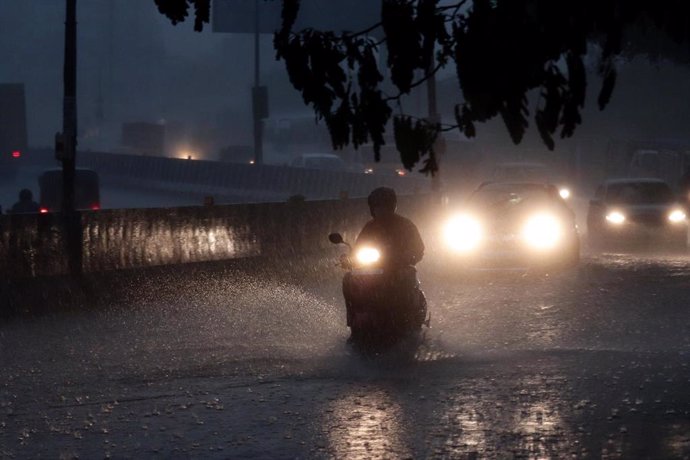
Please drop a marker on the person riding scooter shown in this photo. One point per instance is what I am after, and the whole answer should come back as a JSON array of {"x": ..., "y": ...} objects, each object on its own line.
[{"x": 401, "y": 244}]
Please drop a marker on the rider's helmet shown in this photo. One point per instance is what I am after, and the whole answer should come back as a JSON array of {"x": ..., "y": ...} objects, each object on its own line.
[
  {"x": 25, "y": 195},
  {"x": 382, "y": 201}
]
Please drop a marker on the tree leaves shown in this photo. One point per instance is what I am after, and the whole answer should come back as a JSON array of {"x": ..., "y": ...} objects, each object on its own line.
[
  {"x": 415, "y": 139},
  {"x": 178, "y": 10},
  {"x": 502, "y": 51}
]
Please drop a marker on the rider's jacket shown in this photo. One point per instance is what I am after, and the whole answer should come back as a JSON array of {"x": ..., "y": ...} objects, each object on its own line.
[{"x": 396, "y": 237}]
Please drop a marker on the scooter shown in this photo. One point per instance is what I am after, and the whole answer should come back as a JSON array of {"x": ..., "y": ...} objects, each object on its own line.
[{"x": 385, "y": 306}]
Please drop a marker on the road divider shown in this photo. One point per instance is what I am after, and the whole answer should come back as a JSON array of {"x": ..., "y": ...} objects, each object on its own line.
[{"x": 33, "y": 245}]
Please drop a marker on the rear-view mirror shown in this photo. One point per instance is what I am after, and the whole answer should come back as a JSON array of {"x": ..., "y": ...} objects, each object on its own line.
[{"x": 335, "y": 238}]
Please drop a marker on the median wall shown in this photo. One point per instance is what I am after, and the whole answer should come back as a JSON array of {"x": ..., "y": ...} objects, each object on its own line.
[{"x": 33, "y": 245}]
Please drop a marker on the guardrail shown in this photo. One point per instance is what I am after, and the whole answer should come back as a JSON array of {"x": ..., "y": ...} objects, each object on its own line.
[{"x": 33, "y": 245}]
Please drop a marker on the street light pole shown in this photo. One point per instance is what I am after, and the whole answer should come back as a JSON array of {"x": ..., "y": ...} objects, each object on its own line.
[
  {"x": 257, "y": 93},
  {"x": 67, "y": 145},
  {"x": 69, "y": 107}
]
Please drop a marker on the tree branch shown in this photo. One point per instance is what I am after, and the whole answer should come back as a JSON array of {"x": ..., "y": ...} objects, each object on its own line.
[{"x": 428, "y": 75}]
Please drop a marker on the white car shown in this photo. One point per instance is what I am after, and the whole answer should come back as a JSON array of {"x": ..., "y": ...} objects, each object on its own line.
[{"x": 513, "y": 225}]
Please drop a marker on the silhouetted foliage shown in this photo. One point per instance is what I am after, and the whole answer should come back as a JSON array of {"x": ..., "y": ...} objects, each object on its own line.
[
  {"x": 502, "y": 50},
  {"x": 178, "y": 10}
]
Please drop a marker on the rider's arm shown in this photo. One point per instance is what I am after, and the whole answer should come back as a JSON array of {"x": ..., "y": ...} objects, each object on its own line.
[{"x": 416, "y": 245}]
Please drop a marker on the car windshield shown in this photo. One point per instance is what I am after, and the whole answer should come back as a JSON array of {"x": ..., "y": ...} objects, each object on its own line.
[
  {"x": 507, "y": 195},
  {"x": 521, "y": 173},
  {"x": 640, "y": 193}
]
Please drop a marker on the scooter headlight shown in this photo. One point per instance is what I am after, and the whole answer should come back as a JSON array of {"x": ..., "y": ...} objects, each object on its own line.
[
  {"x": 615, "y": 217},
  {"x": 463, "y": 233},
  {"x": 677, "y": 216},
  {"x": 542, "y": 231},
  {"x": 564, "y": 193},
  {"x": 367, "y": 255}
]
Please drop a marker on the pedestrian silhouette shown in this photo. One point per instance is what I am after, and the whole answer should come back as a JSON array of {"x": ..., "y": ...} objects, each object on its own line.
[{"x": 26, "y": 203}]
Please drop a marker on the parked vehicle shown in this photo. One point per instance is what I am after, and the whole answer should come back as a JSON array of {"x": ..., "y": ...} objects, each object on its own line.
[
  {"x": 387, "y": 305},
  {"x": 636, "y": 211},
  {"x": 86, "y": 190},
  {"x": 513, "y": 226}
]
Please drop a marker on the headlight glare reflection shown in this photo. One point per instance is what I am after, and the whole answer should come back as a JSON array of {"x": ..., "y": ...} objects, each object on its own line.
[{"x": 564, "y": 193}]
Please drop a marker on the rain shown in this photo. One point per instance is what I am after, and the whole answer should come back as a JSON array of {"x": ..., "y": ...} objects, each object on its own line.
[{"x": 192, "y": 306}]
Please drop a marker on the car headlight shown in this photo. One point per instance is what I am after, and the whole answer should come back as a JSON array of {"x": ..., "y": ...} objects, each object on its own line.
[
  {"x": 367, "y": 255},
  {"x": 676, "y": 216},
  {"x": 463, "y": 233},
  {"x": 542, "y": 231},
  {"x": 564, "y": 193},
  {"x": 615, "y": 217}
]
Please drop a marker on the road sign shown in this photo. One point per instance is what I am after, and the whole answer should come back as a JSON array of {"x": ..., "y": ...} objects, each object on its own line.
[{"x": 237, "y": 16}]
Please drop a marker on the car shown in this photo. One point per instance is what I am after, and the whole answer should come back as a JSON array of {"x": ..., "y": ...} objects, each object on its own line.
[
  {"x": 636, "y": 210},
  {"x": 535, "y": 172},
  {"x": 86, "y": 190},
  {"x": 513, "y": 225}
]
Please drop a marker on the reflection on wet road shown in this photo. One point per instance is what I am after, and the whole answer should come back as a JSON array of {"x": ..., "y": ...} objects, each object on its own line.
[{"x": 227, "y": 363}]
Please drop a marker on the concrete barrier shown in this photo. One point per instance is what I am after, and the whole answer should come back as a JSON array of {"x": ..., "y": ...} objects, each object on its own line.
[{"x": 33, "y": 245}]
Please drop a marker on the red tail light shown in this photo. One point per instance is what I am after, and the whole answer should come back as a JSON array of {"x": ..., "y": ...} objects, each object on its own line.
[
  {"x": 95, "y": 207},
  {"x": 43, "y": 210},
  {"x": 16, "y": 154}
]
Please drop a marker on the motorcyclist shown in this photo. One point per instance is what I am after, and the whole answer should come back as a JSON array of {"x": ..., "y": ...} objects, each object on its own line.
[{"x": 396, "y": 236}]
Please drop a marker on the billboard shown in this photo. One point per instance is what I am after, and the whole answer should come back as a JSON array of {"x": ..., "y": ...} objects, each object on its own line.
[{"x": 237, "y": 16}]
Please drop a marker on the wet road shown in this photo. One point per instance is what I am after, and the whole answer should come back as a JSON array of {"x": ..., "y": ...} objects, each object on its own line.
[{"x": 212, "y": 362}]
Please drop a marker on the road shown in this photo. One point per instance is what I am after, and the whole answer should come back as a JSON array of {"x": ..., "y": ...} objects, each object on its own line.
[{"x": 231, "y": 362}]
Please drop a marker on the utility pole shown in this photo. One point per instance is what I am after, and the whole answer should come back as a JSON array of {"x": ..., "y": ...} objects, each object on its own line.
[
  {"x": 69, "y": 108},
  {"x": 66, "y": 142},
  {"x": 259, "y": 93}
]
